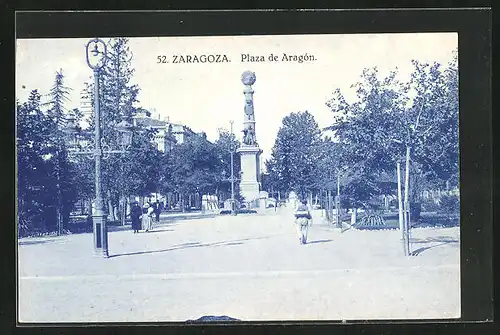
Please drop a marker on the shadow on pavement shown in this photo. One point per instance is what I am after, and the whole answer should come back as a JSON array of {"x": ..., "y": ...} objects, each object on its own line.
[
  {"x": 421, "y": 250},
  {"x": 34, "y": 242},
  {"x": 189, "y": 245},
  {"x": 440, "y": 240},
  {"x": 319, "y": 241}
]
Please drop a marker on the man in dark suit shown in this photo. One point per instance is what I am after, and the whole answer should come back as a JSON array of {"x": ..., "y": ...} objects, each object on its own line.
[{"x": 157, "y": 209}]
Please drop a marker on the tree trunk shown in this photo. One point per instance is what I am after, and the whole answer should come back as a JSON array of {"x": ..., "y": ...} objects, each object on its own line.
[
  {"x": 111, "y": 211},
  {"x": 89, "y": 213},
  {"x": 337, "y": 212},
  {"x": 59, "y": 220},
  {"x": 89, "y": 207},
  {"x": 400, "y": 201},
  {"x": 328, "y": 206},
  {"x": 59, "y": 196},
  {"x": 406, "y": 202},
  {"x": 402, "y": 225},
  {"x": 123, "y": 210},
  {"x": 322, "y": 203},
  {"x": 116, "y": 211}
]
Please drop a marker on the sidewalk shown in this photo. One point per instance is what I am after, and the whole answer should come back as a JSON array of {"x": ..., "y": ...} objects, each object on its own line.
[
  {"x": 250, "y": 267},
  {"x": 166, "y": 218}
]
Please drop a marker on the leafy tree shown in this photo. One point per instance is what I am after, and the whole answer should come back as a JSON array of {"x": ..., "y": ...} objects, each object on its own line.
[
  {"x": 330, "y": 168},
  {"x": 141, "y": 165},
  {"x": 34, "y": 173},
  {"x": 431, "y": 123},
  {"x": 195, "y": 167},
  {"x": 436, "y": 149},
  {"x": 370, "y": 127},
  {"x": 274, "y": 178},
  {"x": 391, "y": 119},
  {"x": 329, "y": 163},
  {"x": 82, "y": 166},
  {"x": 223, "y": 146},
  {"x": 64, "y": 190},
  {"x": 59, "y": 95},
  {"x": 84, "y": 179},
  {"x": 118, "y": 94},
  {"x": 293, "y": 159}
]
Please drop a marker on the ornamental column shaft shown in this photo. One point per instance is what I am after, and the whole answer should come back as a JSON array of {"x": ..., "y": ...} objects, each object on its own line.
[{"x": 249, "y": 150}]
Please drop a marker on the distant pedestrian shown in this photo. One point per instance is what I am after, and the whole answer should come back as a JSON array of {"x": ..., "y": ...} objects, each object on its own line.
[
  {"x": 157, "y": 210},
  {"x": 302, "y": 221},
  {"x": 135, "y": 214},
  {"x": 147, "y": 217}
]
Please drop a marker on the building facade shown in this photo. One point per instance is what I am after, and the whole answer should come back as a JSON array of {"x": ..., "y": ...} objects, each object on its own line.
[{"x": 167, "y": 134}]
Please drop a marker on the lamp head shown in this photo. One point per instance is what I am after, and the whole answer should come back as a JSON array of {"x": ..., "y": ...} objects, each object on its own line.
[{"x": 92, "y": 52}]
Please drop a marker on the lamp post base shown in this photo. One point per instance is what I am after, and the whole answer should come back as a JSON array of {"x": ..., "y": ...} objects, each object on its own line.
[
  {"x": 233, "y": 208},
  {"x": 101, "y": 253},
  {"x": 100, "y": 235}
]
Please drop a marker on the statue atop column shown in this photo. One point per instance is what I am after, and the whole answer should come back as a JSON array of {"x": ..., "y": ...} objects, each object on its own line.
[
  {"x": 249, "y": 150},
  {"x": 249, "y": 137}
]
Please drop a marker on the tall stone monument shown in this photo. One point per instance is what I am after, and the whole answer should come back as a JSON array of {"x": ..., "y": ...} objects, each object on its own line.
[{"x": 249, "y": 150}]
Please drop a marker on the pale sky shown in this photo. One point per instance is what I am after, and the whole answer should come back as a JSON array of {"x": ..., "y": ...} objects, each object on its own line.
[{"x": 206, "y": 96}]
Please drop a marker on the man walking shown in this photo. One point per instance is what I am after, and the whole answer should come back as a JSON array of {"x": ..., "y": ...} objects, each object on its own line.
[
  {"x": 157, "y": 209},
  {"x": 302, "y": 221}
]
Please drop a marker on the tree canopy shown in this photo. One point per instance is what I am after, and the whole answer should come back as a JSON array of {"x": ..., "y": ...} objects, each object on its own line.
[
  {"x": 388, "y": 116},
  {"x": 294, "y": 155}
]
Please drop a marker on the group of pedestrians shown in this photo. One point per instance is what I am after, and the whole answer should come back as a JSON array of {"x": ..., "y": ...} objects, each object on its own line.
[{"x": 142, "y": 218}]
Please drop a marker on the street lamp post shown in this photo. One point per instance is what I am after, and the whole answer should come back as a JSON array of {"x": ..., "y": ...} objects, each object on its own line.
[
  {"x": 98, "y": 216},
  {"x": 124, "y": 130},
  {"x": 233, "y": 209}
]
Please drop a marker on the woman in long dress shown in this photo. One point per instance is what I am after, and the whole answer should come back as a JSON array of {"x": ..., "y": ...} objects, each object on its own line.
[
  {"x": 135, "y": 214},
  {"x": 147, "y": 217}
]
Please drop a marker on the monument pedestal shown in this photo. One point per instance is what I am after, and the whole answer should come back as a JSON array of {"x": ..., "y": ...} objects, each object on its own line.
[{"x": 250, "y": 172}]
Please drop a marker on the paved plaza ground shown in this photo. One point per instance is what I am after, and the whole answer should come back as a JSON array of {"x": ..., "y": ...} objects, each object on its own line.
[{"x": 249, "y": 267}]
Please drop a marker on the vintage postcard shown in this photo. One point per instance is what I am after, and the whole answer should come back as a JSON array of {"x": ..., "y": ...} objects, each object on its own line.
[{"x": 251, "y": 178}]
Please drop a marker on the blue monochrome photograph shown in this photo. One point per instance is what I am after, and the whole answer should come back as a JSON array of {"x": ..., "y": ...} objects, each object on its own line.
[{"x": 238, "y": 178}]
